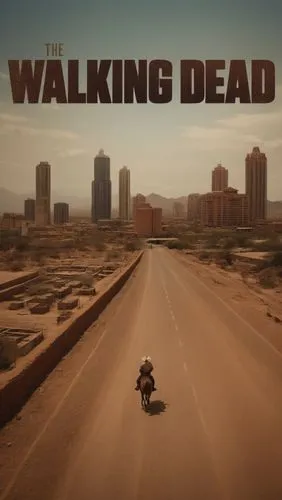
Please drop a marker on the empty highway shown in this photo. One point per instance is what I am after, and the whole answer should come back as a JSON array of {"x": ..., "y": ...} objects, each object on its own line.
[{"x": 214, "y": 429}]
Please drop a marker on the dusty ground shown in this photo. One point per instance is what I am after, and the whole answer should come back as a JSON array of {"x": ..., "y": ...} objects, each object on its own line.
[
  {"x": 235, "y": 287},
  {"x": 32, "y": 259}
]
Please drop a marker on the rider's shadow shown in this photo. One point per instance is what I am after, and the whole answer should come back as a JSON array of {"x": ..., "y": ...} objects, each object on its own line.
[{"x": 156, "y": 408}]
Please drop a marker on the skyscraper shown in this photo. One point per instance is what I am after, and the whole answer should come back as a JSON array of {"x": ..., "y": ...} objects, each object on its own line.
[
  {"x": 29, "y": 209},
  {"x": 124, "y": 193},
  {"x": 256, "y": 184},
  {"x": 219, "y": 178},
  {"x": 61, "y": 213},
  {"x": 193, "y": 207},
  {"x": 101, "y": 188},
  {"x": 43, "y": 194}
]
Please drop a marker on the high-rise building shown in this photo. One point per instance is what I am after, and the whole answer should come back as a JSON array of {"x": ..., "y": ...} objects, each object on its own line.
[
  {"x": 29, "y": 210},
  {"x": 219, "y": 178},
  {"x": 225, "y": 208},
  {"x": 11, "y": 221},
  {"x": 43, "y": 194},
  {"x": 124, "y": 194},
  {"x": 157, "y": 216},
  {"x": 101, "y": 188},
  {"x": 178, "y": 210},
  {"x": 193, "y": 207},
  {"x": 256, "y": 184},
  {"x": 148, "y": 221},
  {"x": 61, "y": 213},
  {"x": 137, "y": 201}
]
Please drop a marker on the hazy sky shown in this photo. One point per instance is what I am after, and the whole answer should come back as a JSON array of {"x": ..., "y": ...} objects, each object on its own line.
[{"x": 170, "y": 149}]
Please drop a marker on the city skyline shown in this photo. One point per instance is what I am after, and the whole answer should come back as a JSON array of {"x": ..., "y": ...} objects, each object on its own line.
[
  {"x": 256, "y": 177},
  {"x": 167, "y": 146},
  {"x": 221, "y": 206}
]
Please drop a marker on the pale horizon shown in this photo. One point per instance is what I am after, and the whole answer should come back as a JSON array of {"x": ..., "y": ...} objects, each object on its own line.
[{"x": 170, "y": 149}]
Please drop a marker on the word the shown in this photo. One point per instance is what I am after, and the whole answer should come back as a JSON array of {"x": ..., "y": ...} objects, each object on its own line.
[
  {"x": 54, "y": 49},
  {"x": 141, "y": 81}
]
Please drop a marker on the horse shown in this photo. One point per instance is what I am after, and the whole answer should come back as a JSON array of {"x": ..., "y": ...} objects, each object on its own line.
[{"x": 146, "y": 387}]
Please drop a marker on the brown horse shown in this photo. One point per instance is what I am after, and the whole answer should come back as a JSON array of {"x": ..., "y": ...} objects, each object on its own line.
[{"x": 146, "y": 387}]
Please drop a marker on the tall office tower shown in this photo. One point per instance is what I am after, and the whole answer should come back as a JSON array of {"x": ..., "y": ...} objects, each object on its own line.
[
  {"x": 61, "y": 213},
  {"x": 124, "y": 194},
  {"x": 256, "y": 184},
  {"x": 137, "y": 201},
  {"x": 29, "y": 209},
  {"x": 193, "y": 207},
  {"x": 43, "y": 194},
  {"x": 101, "y": 188},
  {"x": 219, "y": 178}
]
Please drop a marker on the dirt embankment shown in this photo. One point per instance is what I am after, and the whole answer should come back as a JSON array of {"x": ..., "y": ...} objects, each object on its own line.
[{"x": 242, "y": 282}]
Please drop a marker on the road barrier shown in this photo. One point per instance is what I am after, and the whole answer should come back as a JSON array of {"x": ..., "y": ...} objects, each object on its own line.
[{"x": 15, "y": 393}]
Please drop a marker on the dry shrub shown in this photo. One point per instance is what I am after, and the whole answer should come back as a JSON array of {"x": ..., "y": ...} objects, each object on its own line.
[
  {"x": 205, "y": 256},
  {"x": 268, "y": 278},
  {"x": 16, "y": 266},
  {"x": 112, "y": 255}
]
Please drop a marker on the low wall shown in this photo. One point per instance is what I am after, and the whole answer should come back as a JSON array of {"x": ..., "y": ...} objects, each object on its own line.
[
  {"x": 19, "y": 280},
  {"x": 10, "y": 292},
  {"x": 17, "y": 391}
]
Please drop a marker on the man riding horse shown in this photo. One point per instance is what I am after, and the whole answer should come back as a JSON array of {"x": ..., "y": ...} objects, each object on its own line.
[{"x": 145, "y": 370}]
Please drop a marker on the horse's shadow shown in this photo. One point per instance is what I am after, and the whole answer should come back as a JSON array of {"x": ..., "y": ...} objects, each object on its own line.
[{"x": 156, "y": 407}]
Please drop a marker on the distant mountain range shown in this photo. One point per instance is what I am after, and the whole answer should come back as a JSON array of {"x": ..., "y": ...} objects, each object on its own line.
[{"x": 13, "y": 202}]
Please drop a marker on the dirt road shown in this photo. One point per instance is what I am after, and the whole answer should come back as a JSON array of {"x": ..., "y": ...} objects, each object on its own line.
[{"x": 214, "y": 427}]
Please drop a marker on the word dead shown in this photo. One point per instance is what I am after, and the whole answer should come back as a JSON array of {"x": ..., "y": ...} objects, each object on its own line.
[{"x": 130, "y": 81}]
